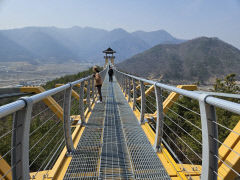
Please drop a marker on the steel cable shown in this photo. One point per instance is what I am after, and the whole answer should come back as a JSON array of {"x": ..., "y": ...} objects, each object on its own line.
[
  {"x": 48, "y": 156},
  {"x": 44, "y": 148},
  {"x": 178, "y": 148},
  {"x": 183, "y": 106},
  {"x": 185, "y": 119},
  {"x": 44, "y": 135},
  {"x": 183, "y": 141},
  {"x": 183, "y": 130},
  {"x": 229, "y": 166},
  {"x": 42, "y": 124}
]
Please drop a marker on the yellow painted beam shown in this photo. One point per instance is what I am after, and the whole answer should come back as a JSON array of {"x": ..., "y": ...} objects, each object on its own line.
[
  {"x": 74, "y": 93},
  {"x": 137, "y": 87},
  {"x": 4, "y": 168},
  {"x": 77, "y": 85},
  {"x": 189, "y": 169},
  {"x": 39, "y": 175},
  {"x": 228, "y": 156},
  {"x": 147, "y": 92},
  {"x": 233, "y": 161},
  {"x": 231, "y": 141},
  {"x": 49, "y": 101},
  {"x": 173, "y": 97}
]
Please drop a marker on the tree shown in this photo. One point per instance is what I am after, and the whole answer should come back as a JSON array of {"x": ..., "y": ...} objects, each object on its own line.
[{"x": 227, "y": 85}]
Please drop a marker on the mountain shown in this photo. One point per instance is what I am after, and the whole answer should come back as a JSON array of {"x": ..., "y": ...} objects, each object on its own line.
[
  {"x": 157, "y": 37},
  {"x": 10, "y": 50},
  {"x": 44, "y": 44},
  {"x": 200, "y": 59}
]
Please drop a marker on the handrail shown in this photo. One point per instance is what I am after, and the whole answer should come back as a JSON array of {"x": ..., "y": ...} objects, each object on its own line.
[
  {"x": 230, "y": 106},
  {"x": 11, "y": 108},
  {"x": 19, "y": 104},
  {"x": 22, "y": 110},
  {"x": 207, "y": 107},
  {"x": 22, "y": 116}
]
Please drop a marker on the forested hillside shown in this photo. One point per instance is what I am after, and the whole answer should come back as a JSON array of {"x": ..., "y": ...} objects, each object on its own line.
[{"x": 202, "y": 59}]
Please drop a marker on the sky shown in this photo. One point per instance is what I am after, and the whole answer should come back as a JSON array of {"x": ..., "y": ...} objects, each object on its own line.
[{"x": 185, "y": 19}]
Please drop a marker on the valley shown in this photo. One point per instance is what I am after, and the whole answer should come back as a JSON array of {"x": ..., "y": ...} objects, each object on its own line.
[{"x": 26, "y": 74}]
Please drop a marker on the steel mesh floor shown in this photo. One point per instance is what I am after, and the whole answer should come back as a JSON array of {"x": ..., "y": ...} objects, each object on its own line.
[
  {"x": 113, "y": 144},
  {"x": 145, "y": 162},
  {"x": 85, "y": 159},
  {"x": 115, "y": 163}
]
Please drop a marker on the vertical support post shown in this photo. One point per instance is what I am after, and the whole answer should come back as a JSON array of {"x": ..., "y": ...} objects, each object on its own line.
[
  {"x": 143, "y": 102},
  {"x": 209, "y": 145},
  {"x": 121, "y": 77},
  {"x": 134, "y": 94},
  {"x": 88, "y": 95},
  {"x": 160, "y": 118},
  {"x": 126, "y": 86},
  {"x": 81, "y": 102},
  {"x": 122, "y": 82},
  {"x": 129, "y": 89},
  {"x": 20, "y": 141},
  {"x": 66, "y": 120},
  {"x": 93, "y": 91}
]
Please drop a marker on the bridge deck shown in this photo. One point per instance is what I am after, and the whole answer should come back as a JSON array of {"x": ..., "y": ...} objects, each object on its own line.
[{"x": 113, "y": 144}]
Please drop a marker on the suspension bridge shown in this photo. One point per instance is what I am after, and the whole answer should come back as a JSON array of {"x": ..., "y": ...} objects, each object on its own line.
[{"x": 62, "y": 133}]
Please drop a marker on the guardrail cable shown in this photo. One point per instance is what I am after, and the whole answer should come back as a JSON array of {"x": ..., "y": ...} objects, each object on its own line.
[
  {"x": 225, "y": 127},
  {"x": 227, "y": 146},
  {"x": 229, "y": 166},
  {"x": 44, "y": 135},
  {"x": 184, "y": 119},
  {"x": 3, "y": 177},
  {"x": 183, "y": 106},
  {"x": 182, "y": 140},
  {"x": 42, "y": 124},
  {"x": 178, "y": 148},
  {"x": 48, "y": 107},
  {"x": 50, "y": 155},
  {"x": 5, "y": 134},
  {"x": 182, "y": 129},
  {"x": 54, "y": 155},
  {"x": 45, "y": 147}
]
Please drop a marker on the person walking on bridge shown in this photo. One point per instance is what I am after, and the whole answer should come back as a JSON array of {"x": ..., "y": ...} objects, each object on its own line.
[
  {"x": 98, "y": 82},
  {"x": 110, "y": 73}
]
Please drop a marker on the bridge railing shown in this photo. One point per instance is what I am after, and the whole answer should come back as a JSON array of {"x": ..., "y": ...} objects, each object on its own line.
[
  {"x": 178, "y": 126},
  {"x": 40, "y": 126}
]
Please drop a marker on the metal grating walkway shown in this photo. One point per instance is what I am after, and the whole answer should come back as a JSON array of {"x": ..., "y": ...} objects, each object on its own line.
[
  {"x": 113, "y": 144},
  {"x": 115, "y": 163},
  {"x": 144, "y": 160},
  {"x": 85, "y": 159}
]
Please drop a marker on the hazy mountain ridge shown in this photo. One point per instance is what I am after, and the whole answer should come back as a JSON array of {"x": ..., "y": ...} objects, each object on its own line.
[
  {"x": 157, "y": 37},
  {"x": 76, "y": 43},
  {"x": 200, "y": 59}
]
